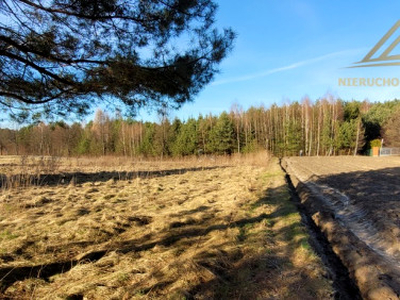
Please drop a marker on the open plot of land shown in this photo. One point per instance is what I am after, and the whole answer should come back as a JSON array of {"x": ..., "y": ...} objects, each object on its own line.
[
  {"x": 167, "y": 230},
  {"x": 361, "y": 195}
]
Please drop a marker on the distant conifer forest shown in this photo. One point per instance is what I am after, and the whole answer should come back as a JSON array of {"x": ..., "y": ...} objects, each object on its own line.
[{"x": 325, "y": 127}]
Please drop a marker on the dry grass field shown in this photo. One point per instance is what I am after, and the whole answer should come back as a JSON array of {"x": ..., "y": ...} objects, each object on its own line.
[{"x": 118, "y": 229}]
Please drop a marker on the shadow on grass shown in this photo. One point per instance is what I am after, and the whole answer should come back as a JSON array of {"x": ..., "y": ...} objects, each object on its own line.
[
  {"x": 80, "y": 178},
  {"x": 201, "y": 208},
  {"x": 237, "y": 273},
  {"x": 9, "y": 275},
  {"x": 257, "y": 277},
  {"x": 263, "y": 274}
]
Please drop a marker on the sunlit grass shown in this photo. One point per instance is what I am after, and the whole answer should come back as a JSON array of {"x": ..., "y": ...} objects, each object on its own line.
[{"x": 225, "y": 230}]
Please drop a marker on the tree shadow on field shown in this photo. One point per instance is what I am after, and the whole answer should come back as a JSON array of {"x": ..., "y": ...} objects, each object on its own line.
[
  {"x": 373, "y": 204},
  {"x": 374, "y": 186},
  {"x": 201, "y": 208},
  {"x": 261, "y": 274},
  {"x": 176, "y": 234},
  {"x": 186, "y": 235},
  {"x": 367, "y": 203},
  {"x": 266, "y": 271},
  {"x": 243, "y": 268},
  {"x": 81, "y": 177},
  {"x": 369, "y": 199}
]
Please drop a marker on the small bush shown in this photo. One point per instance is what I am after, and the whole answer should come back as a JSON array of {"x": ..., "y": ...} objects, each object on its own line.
[{"x": 375, "y": 143}]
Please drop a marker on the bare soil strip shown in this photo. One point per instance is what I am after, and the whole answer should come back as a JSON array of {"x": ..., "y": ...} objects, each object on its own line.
[
  {"x": 187, "y": 230},
  {"x": 363, "y": 230}
]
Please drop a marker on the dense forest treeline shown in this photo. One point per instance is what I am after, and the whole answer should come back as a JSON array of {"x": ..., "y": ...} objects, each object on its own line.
[{"x": 326, "y": 127}]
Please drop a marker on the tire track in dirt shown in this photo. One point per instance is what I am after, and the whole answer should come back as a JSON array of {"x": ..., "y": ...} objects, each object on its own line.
[
  {"x": 353, "y": 216},
  {"x": 354, "y": 238}
]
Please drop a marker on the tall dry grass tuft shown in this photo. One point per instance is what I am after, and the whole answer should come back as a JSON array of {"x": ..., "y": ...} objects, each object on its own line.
[
  {"x": 260, "y": 159},
  {"x": 27, "y": 171}
]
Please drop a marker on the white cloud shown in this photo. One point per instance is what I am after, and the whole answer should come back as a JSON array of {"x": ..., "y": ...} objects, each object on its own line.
[{"x": 286, "y": 68}]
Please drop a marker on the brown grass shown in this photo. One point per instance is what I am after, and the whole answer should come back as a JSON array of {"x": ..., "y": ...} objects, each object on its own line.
[{"x": 196, "y": 229}]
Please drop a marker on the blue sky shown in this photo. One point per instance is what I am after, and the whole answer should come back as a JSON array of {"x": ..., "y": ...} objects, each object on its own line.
[{"x": 288, "y": 49}]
